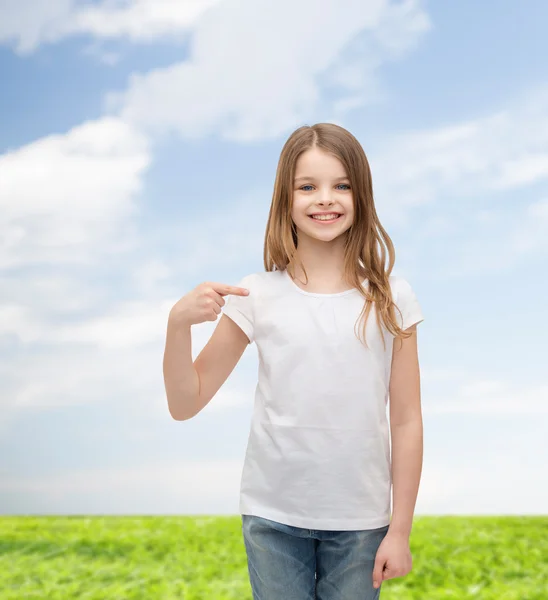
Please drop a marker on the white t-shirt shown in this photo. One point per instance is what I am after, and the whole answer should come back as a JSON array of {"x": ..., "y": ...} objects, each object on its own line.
[{"x": 318, "y": 453}]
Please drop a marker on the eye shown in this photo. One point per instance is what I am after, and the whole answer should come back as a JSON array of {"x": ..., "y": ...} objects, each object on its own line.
[{"x": 308, "y": 185}]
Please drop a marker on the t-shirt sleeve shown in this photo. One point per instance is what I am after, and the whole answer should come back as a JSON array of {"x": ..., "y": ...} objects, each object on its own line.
[
  {"x": 408, "y": 304},
  {"x": 240, "y": 308}
]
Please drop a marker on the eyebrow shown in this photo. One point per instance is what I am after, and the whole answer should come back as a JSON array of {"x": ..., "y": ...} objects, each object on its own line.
[{"x": 312, "y": 178}]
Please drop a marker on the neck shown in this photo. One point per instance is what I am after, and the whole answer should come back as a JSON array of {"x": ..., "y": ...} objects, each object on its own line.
[{"x": 323, "y": 261}]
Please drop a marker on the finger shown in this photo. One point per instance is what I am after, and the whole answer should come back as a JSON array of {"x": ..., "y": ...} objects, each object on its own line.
[
  {"x": 225, "y": 290},
  {"x": 217, "y": 300},
  {"x": 377, "y": 573}
]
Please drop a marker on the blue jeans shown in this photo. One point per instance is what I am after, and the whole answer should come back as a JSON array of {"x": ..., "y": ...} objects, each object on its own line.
[{"x": 291, "y": 563}]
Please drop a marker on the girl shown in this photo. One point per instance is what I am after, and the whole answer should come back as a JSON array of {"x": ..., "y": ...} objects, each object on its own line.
[{"x": 318, "y": 471}]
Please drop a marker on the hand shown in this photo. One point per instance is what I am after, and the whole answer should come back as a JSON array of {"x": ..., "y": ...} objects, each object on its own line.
[
  {"x": 203, "y": 303},
  {"x": 393, "y": 558}
]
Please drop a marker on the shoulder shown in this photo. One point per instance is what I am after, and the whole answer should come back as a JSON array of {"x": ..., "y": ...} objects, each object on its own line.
[
  {"x": 400, "y": 286},
  {"x": 403, "y": 294},
  {"x": 261, "y": 279},
  {"x": 406, "y": 300},
  {"x": 260, "y": 283}
]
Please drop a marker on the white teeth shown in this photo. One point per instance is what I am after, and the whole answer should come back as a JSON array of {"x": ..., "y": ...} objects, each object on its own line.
[{"x": 325, "y": 217}]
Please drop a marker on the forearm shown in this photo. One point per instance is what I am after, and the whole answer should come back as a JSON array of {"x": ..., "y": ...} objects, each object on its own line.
[
  {"x": 407, "y": 454},
  {"x": 180, "y": 377}
]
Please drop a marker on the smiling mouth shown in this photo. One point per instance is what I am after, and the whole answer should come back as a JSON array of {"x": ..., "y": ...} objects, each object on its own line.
[{"x": 326, "y": 220}]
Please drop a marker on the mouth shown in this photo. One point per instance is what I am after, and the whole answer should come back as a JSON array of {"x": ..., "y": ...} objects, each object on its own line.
[{"x": 325, "y": 220}]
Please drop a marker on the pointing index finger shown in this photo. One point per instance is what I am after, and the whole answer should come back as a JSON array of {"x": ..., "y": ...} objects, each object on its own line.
[{"x": 226, "y": 290}]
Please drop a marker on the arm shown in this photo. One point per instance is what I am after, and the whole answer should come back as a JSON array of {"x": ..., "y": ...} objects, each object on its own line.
[
  {"x": 180, "y": 377},
  {"x": 406, "y": 432},
  {"x": 189, "y": 385}
]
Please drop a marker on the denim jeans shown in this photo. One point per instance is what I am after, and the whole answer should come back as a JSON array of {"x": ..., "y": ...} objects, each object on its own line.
[{"x": 291, "y": 563}]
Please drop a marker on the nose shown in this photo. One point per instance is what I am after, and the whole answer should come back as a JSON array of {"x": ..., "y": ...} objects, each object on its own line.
[{"x": 325, "y": 197}]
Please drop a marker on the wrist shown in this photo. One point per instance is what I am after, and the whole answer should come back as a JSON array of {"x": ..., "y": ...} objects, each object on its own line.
[
  {"x": 177, "y": 320},
  {"x": 396, "y": 530}
]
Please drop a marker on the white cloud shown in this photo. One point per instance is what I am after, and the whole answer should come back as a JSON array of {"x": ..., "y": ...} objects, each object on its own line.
[
  {"x": 485, "y": 487},
  {"x": 114, "y": 356},
  {"x": 504, "y": 150},
  {"x": 212, "y": 488},
  {"x": 476, "y": 396},
  {"x": 256, "y": 69},
  {"x": 65, "y": 203},
  {"x": 64, "y": 198},
  {"x": 459, "y": 172},
  {"x": 26, "y": 25},
  {"x": 530, "y": 234},
  {"x": 88, "y": 346},
  {"x": 506, "y": 238},
  {"x": 168, "y": 488},
  {"x": 138, "y": 20}
]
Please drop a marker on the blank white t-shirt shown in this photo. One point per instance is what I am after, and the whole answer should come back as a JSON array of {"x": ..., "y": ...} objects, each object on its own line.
[{"x": 318, "y": 453}]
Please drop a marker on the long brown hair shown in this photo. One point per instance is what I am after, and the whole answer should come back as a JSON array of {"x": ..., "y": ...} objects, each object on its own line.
[{"x": 367, "y": 243}]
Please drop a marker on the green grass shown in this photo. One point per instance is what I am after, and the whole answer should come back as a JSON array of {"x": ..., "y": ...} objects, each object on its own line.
[{"x": 203, "y": 558}]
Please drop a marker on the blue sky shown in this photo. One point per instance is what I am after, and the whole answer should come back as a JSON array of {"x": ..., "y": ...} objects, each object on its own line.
[{"x": 138, "y": 149}]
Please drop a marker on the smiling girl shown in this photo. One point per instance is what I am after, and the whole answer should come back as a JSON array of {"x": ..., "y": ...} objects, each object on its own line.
[{"x": 337, "y": 340}]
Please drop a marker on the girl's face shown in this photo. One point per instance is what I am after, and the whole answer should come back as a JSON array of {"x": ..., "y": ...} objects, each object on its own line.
[{"x": 321, "y": 185}]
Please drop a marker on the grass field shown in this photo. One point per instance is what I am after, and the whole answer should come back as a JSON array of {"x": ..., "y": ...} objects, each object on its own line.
[{"x": 203, "y": 558}]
